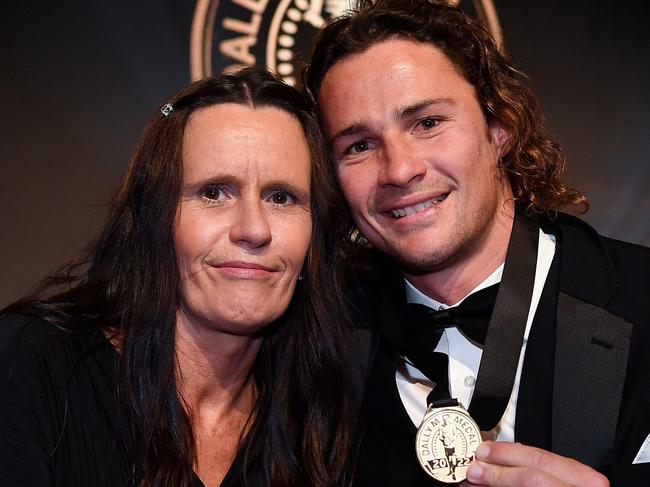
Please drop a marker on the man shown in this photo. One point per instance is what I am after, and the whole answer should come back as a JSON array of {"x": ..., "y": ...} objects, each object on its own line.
[{"x": 445, "y": 162}]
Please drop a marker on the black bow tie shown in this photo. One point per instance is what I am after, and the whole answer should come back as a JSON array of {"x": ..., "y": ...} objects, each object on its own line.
[{"x": 423, "y": 326}]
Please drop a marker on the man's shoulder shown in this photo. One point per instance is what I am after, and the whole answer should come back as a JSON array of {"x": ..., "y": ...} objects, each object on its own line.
[
  {"x": 607, "y": 272},
  {"x": 578, "y": 235},
  {"x": 634, "y": 258},
  {"x": 587, "y": 233}
]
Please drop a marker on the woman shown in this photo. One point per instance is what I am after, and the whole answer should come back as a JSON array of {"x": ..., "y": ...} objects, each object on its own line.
[{"x": 177, "y": 351}]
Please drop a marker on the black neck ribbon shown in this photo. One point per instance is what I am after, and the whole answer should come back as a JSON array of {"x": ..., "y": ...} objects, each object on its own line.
[{"x": 503, "y": 337}]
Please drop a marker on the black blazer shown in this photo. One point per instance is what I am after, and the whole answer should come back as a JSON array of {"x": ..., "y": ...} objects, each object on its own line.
[{"x": 585, "y": 386}]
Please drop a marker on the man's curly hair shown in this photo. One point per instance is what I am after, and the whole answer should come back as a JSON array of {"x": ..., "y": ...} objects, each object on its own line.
[{"x": 533, "y": 161}]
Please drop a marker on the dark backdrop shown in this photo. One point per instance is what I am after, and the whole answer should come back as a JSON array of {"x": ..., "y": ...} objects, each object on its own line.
[{"x": 79, "y": 80}]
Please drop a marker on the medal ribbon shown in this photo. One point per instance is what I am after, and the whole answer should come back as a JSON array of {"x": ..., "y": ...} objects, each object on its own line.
[{"x": 504, "y": 339}]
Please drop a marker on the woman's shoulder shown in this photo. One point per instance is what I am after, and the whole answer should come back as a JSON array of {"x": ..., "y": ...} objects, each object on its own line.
[
  {"x": 58, "y": 406},
  {"x": 31, "y": 347},
  {"x": 23, "y": 328},
  {"x": 20, "y": 334}
]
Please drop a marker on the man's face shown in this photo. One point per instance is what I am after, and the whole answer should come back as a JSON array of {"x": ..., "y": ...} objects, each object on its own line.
[{"x": 416, "y": 158}]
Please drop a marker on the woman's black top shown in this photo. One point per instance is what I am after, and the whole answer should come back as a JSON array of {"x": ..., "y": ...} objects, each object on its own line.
[{"x": 60, "y": 421}]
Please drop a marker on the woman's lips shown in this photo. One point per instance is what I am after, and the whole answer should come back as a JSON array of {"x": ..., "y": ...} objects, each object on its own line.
[{"x": 242, "y": 269}]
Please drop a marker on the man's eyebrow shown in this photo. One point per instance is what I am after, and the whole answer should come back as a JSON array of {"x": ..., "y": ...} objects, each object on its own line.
[
  {"x": 398, "y": 114},
  {"x": 352, "y": 129},
  {"x": 408, "y": 111}
]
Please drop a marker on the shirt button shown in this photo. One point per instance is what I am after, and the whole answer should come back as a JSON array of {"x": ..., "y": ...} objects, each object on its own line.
[{"x": 469, "y": 381}]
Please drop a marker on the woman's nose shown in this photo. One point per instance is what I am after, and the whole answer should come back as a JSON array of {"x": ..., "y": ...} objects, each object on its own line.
[{"x": 251, "y": 226}]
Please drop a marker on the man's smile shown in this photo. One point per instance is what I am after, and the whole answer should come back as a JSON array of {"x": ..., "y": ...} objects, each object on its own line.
[{"x": 411, "y": 210}]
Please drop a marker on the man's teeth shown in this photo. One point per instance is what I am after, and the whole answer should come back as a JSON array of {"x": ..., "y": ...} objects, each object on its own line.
[{"x": 410, "y": 210}]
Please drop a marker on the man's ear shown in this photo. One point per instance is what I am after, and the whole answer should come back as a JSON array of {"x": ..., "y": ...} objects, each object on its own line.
[{"x": 500, "y": 139}]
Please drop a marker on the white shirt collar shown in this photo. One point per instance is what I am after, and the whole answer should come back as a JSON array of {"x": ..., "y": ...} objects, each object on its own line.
[
  {"x": 414, "y": 295},
  {"x": 464, "y": 356}
]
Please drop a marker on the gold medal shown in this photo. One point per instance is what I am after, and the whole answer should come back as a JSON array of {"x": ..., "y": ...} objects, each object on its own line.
[{"x": 446, "y": 442}]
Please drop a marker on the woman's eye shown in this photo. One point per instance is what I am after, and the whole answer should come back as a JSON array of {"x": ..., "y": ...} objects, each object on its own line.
[{"x": 282, "y": 198}]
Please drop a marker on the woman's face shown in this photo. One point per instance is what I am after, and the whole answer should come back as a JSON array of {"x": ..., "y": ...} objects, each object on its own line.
[{"x": 243, "y": 223}]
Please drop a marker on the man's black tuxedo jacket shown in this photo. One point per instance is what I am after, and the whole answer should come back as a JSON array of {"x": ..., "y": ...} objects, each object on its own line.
[{"x": 585, "y": 386}]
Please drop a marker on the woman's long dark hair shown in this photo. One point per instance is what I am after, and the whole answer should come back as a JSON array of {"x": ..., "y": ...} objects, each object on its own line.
[{"x": 128, "y": 285}]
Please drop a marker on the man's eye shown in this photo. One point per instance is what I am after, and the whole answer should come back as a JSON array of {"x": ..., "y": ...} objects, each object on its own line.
[
  {"x": 282, "y": 198},
  {"x": 213, "y": 192},
  {"x": 428, "y": 123},
  {"x": 357, "y": 147}
]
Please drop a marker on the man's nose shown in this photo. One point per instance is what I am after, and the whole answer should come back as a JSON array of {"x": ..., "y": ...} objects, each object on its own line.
[
  {"x": 251, "y": 227},
  {"x": 401, "y": 164}
]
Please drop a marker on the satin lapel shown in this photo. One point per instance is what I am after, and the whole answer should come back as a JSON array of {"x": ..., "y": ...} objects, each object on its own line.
[
  {"x": 591, "y": 348},
  {"x": 535, "y": 395},
  {"x": 591, "y": 354}
]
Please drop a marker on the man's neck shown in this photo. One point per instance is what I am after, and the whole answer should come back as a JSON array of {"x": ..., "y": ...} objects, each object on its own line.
[{"x": 453, "y": 282}]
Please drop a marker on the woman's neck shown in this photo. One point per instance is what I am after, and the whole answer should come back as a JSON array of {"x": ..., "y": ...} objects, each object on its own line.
[
  {"x": 215, "y": 383},
  {"x": 214, "y": 368}
]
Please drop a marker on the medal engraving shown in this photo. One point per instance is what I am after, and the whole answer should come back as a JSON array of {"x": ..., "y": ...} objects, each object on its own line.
[{"x": 446, "y": 442}]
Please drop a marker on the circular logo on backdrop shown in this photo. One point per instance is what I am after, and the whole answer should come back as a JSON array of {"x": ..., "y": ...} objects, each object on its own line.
[{"x": 276, "y": 33}]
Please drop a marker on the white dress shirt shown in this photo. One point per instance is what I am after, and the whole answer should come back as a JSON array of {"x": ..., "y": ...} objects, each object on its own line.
[{"x": 465, "y": 356}]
